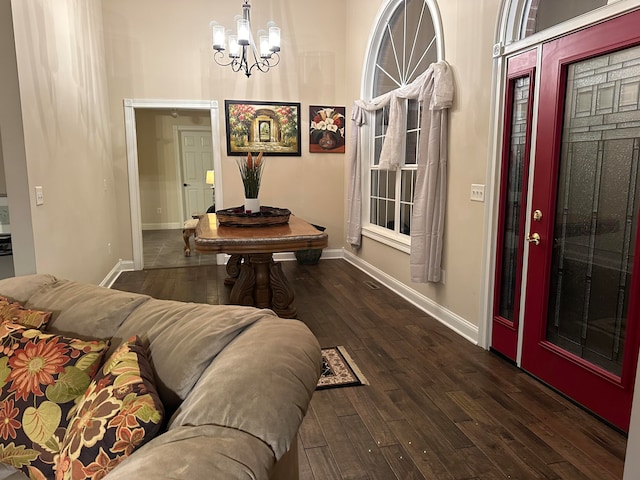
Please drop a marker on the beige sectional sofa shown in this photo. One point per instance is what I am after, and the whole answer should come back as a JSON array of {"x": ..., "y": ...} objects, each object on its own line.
[{"x": 235, "y": 381}]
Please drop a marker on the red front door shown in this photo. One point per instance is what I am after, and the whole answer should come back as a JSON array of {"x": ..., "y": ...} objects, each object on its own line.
[{"x": 582, "y": 294}]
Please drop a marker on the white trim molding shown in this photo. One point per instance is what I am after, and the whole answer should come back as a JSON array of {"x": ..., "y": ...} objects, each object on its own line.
[
  {"x": 130, "y": 105},
  {"x": 112, "y": 276},
  {"x": 448, "y": 318}
]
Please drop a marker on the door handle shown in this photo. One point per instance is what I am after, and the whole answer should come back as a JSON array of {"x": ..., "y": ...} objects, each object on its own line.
[
  {"x": 186, "y": 184},
  {"x": 534, "y": 238}
]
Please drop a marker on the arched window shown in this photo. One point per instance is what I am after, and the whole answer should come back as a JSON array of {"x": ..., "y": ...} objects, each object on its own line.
[{"x": 405, "y": 41}]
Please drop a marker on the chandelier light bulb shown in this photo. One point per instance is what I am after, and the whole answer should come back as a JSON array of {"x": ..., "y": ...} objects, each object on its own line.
[
  {"x": 265, "y": 50},
  {"x": 234, "y": 46},
  {"x": 218, "y": 37},
  {"x": 244, "y": 31},
  {"x": 274, "y": 39}
]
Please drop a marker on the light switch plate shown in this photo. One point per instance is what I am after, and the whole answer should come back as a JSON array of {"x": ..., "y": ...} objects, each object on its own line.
[
  {"x": 477, "y": 192},
  {"x": 39, "y": 196}
]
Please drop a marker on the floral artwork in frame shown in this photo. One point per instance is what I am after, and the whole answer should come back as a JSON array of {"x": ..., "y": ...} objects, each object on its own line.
[
  {"x": 269, "y": 127},
  {"x": 327, "y": 130}
]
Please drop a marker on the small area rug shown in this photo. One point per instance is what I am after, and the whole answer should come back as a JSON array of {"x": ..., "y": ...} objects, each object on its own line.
[{"x": 339, "y": 369}]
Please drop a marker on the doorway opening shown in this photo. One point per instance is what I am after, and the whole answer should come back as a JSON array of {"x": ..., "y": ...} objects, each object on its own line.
[{"x": 171, "y": 144}]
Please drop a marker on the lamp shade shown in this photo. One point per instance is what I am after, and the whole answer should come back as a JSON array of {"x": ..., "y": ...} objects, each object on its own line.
[{"x": 210, "y": 180}]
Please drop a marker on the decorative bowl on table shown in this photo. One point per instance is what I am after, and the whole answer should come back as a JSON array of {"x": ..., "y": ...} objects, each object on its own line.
[{"x": 268, "y": 216}]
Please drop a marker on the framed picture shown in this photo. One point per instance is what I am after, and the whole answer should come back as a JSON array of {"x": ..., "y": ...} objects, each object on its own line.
[
  {"x": 269, "y": 127},
  {"x": 327, "y": 129}
]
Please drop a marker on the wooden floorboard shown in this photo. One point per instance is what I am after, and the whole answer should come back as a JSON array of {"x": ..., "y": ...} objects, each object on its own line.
[{"x": 437, "y": 406}]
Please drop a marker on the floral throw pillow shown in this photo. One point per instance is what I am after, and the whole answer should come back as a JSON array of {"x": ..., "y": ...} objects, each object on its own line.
[
  {"x": 119, "y": 412},
  {"x": 16, "y": 313},
  {"x": 41, "y": 376}
]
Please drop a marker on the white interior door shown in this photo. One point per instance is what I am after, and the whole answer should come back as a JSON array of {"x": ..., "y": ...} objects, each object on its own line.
[{"x": 196, "y": 158}]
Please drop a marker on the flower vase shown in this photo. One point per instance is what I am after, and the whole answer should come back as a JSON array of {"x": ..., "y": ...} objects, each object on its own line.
[
  {"x": 251, "y": 205},
  {"x": 327, "y": 141}
]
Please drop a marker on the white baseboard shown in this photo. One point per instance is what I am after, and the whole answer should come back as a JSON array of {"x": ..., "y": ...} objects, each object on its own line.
[
  {"x": 112, "y": 276},
  {"x": 162, "y": 226},
  {"x": 327, "y": 254},
  {"x": 455, "y": 322}
]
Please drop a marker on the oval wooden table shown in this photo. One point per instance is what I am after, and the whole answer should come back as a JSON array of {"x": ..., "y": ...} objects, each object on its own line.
[{"x": 256, "y": 278}]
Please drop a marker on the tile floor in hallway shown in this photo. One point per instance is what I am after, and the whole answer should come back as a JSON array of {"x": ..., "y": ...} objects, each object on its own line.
[{"x": 165, "y": 248}]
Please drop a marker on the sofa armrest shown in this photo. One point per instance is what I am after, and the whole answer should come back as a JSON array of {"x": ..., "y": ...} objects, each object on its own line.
[
  {"x": 261, "y": 384},
  {"x": 189, "y": 453}
]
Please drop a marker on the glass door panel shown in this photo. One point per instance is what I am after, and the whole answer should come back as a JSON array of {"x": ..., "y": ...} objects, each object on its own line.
[
  {"x": 513, "y": 197},
  {"x": 596, "y": 211},
  {"x": 511, "y": 237}
]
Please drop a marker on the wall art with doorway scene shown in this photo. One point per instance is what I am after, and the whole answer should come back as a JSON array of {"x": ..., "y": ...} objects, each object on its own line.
[
  {"x": 269, "y": 127},
  {"x": 327, "y": 130}
]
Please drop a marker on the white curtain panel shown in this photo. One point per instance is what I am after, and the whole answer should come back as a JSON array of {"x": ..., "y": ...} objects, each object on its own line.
[{"x": 434, "y": 89}]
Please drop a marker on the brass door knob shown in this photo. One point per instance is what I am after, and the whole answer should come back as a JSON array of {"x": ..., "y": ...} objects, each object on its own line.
[{"x": 533, "y": 238}]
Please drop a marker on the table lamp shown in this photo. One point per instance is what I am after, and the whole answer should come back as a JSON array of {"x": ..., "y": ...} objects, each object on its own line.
[{"x": 210, "y": 180}]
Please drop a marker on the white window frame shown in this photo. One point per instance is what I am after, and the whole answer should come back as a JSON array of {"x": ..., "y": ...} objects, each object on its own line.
[{"x": 384, "y": 235}]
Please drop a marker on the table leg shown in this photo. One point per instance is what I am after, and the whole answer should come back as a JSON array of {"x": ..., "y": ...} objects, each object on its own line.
[
  {"x": 233, "y": 269},
  {"x": 261, "y": 263},
  {"x": 282, "y": 299},
  {"x": 260, "y": 282},
  {"x": 243, "y": 286}
]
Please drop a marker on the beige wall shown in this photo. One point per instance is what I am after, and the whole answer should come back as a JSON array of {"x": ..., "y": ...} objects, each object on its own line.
[
  {"x": 157, "y": 163},
  {"x": 161, "y": 50},
  {"x": 67, "y": 136}
]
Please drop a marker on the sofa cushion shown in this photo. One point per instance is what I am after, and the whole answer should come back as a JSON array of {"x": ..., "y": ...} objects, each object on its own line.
[
  {"x": 83, "y": 310},
  {"x": 119, "y": 412},
  {"x": 41, "y": 376},
  {"x": 15, "y": 313},
  {"x": 21, "y": 288},
  {"x": 183, "y": 339}
]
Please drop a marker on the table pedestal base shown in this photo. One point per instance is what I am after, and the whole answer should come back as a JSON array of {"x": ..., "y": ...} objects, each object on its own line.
[{"x": 259, "y": 281}]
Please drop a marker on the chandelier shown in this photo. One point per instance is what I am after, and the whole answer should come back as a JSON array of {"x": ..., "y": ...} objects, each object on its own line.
[{"x": 244, "y": 55}]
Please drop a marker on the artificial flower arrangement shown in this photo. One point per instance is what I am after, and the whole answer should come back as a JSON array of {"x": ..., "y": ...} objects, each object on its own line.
[
  {"x": 251, "y": 173},
  {"x": 327, "y": 121}
]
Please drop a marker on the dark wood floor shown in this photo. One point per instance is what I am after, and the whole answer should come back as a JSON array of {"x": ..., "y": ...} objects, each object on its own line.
[{"x": 437, "y": 407}]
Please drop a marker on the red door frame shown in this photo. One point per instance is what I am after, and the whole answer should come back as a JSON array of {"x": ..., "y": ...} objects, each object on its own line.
[
  {"x": 504, "y": 333},
  {"x": 591, "y": 386}
]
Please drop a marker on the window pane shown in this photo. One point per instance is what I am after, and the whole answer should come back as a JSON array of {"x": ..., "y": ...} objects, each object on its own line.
[
  {"x": 374, "y": 183},
  {"x": 407, "y": 47},
  {"x": 413, "y": 111},
  {"x": 373, "y": 216},
  {"x": 411, "y": 156},
  {"x": 547, "y": 13},
  {"x": 378, "y": 150},
  {"x": 408, "y": 185},
  {"x": 382, "y": 121},
  {"x": 391, "y": 184},
  {"x": 405, "y": 219}
]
